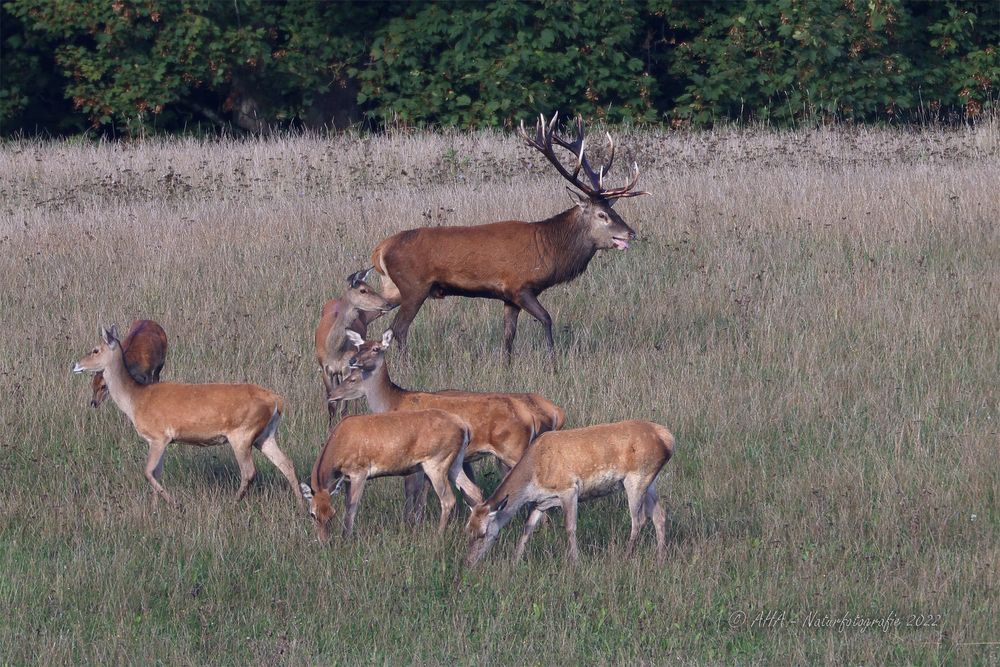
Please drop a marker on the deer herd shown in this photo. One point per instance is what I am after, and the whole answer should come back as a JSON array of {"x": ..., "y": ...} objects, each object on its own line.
[{"x": 423, "y": 436}]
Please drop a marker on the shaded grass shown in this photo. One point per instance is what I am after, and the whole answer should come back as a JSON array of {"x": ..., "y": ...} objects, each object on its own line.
[{"x": 816, "y": 316}]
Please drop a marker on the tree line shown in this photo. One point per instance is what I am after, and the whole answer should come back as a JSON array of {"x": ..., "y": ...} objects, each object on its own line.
[{"x": 137, "y": 66}]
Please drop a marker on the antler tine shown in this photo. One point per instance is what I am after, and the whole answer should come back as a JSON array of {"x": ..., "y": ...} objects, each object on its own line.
[
  {"x": 578, "y": 148},
  {"x": 545, "y": 134},
  {"x": 626, "y": 191},
  {"x": 611, "y": 158},
  {"x": 605, "y": 169}
]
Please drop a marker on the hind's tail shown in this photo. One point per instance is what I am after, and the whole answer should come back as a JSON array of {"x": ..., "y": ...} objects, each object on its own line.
[{"x": 269, "y": 428}]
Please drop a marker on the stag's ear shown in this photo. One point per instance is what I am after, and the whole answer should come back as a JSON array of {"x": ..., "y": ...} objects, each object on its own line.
[
  {"x": 578, "y": 199},
  {"x": 355, "y": 338},
  {"x": 387, "y": 338},
  {"x": 307, "y": 491}
]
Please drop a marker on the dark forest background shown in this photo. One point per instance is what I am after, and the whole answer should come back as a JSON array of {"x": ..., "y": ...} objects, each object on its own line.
[{"x": 126, "y": 67}]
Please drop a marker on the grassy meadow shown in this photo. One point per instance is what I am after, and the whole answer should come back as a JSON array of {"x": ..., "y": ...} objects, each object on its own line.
[{"x": 814, "y": 314}]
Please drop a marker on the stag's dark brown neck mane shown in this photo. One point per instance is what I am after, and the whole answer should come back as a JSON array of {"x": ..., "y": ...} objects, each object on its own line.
[{"x": 565, "y": 246}]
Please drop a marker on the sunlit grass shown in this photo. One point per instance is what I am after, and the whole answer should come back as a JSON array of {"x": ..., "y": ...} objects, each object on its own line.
[{"x": 816, "y": 316}]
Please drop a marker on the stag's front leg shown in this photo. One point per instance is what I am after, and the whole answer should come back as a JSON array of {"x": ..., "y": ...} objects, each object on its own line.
[
  {"x": 407, "y": 311},
  {"x": 530, "y": 303}
]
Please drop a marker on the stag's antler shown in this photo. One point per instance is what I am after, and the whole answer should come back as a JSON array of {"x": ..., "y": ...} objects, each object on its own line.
[{"x": 545, "y": 134}]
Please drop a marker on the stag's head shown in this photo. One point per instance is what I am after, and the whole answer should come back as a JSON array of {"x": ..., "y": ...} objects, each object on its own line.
[
  {"x": 363, "y": 296},
  {"x": 604, "y": 226},
  {"x": 101, "y": 356}
]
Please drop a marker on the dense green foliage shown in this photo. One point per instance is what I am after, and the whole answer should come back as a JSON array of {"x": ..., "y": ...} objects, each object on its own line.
[{"x": 128, "y": 65}]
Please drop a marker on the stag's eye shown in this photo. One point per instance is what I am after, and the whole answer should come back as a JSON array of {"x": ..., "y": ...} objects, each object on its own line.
[{"x": 363, "y": 290}]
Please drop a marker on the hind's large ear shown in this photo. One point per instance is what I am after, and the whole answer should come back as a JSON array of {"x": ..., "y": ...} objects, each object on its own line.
[
  {"x": 468, "y": 501},
  {"x": 500, "y": 505},
  {"x": 387, "y": 338},
  {"x": 357, "y": 277},
  {"x": 355, "y": 338},
  {"x": 110, "y": 336}
]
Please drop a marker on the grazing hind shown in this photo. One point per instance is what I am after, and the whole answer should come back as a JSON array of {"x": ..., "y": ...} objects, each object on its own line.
[{"x": 562, "y": 468}]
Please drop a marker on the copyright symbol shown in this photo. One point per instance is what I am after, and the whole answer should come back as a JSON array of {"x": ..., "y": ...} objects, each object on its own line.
[{"x": 737, "y": 619}]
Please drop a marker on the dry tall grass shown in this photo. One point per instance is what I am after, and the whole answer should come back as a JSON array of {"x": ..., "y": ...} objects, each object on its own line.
[{"x": 816, "y": 316}]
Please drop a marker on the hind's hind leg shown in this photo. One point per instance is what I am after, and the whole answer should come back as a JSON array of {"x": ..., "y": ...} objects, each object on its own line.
[{"x": 269, "y": 448}]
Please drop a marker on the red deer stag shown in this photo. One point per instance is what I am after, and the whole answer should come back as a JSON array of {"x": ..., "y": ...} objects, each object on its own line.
[
  {"x": 243, "y": 415},
  {"x": 367, "y": 446},
  {"x": 145, "y": 348},
  {"x": 511, "y": 261},
  {"x": 565, "y": 467},
  {"x": 502, "y": 424},
  {"x": 342, "y": 325}
]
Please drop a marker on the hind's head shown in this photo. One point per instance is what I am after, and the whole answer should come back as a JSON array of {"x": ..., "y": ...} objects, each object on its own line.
[
  {"x": 101, "y": 356},
  {"x": 321, "y": 508}
]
